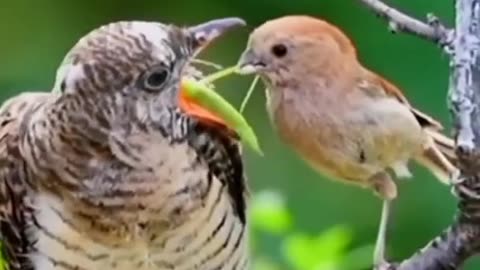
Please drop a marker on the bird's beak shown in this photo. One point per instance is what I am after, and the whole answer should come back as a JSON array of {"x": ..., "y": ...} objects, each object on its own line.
[
  {"x": 250, "y": 63},
  {"x": 203, "y": 34}
]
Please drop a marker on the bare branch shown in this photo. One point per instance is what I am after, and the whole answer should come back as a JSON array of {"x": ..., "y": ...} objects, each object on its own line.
[
  {"x": 462, "y": 239},
  {"x": 464, "y": 90},
  {"x": 457, "y": 243},
  {"x": 446, "y": 252},
  {"x": 432, "y": 30}
]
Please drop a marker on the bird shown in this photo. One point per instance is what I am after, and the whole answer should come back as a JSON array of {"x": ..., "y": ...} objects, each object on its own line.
[
  {"x": 112, "y": 170},
  {"x": 345, "y": 121}
]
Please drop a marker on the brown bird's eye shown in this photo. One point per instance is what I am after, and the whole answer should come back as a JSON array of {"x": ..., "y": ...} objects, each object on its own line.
[
  {"x": 279, "y": 50},
  {"x": 156, "y": 79}
]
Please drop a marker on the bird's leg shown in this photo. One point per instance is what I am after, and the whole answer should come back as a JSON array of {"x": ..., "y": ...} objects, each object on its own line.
[
  {"x": 384, "y": 187},
  {"x": 379, "y": 258}
]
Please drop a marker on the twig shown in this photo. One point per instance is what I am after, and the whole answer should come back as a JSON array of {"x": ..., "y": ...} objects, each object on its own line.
[
  {"x": 462, "y": 239},
  {"x": 432, "y": 30}
]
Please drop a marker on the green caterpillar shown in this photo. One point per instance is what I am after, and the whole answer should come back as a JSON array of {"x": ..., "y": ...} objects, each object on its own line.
[{"x": 198, "y": 91}]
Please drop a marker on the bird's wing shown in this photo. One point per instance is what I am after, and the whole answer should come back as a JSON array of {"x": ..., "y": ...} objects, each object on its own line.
[
  {"x": 440, "y": 156},
  {"x": 377, "y": 85},
  {"x": 14, "y": 211}
]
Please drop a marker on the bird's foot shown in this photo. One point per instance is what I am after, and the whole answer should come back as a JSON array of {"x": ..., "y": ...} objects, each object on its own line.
[{"x": 456, "y": 177}]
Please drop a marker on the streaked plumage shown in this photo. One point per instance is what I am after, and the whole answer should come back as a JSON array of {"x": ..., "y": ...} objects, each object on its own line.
[{"x": 107, "y": 172}]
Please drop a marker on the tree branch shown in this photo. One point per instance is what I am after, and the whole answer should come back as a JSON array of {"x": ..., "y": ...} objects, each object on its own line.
[
  {"x": 462, "y": 239},
  {"x": 447, "y": 251},
  {"x": 464, "y": 90},
  {"x": 432, "y": 30}
]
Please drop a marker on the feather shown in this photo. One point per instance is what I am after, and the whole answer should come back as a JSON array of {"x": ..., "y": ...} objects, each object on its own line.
[{"x": 14, "y": 212}]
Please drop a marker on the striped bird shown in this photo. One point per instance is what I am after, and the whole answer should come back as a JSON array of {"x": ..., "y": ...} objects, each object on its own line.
[{"x": 111, "y": 171}]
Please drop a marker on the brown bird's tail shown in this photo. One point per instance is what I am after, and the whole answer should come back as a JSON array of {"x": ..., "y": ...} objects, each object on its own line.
[{"x": 439, "y": 156}]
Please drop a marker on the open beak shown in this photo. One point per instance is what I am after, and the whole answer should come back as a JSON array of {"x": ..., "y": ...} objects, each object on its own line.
[
  {"x": 191, "y": 107},
  {"x": 202, "y": 35},
  {"x": 250, "y": 63}
]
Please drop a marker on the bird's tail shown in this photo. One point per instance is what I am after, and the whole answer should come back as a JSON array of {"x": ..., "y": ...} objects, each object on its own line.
[{"x": 439, "y": 156}]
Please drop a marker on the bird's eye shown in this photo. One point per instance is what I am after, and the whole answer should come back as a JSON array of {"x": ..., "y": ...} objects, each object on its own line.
[
  {"x": 156, "y": 78},
  {"x": 279, "y": 50}
]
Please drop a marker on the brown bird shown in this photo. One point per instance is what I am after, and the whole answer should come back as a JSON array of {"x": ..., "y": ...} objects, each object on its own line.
[
  {"x": 346, "y": 121},
  {"x": 114, "y": 169}
]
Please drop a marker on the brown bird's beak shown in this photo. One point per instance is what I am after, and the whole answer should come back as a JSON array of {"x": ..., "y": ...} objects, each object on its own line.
[
  {"x": 250, "y": 63},
  {"x": 203, "y": 34}
]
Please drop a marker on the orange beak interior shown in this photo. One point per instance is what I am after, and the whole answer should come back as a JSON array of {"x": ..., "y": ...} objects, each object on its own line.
[{"x": 193, "y": 109}]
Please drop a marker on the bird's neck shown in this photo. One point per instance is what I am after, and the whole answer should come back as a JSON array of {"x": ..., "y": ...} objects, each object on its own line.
[
  {"x": 55, "y": 140},
  {"x": 79, "y": 122},
  {"x": 318, "y": 95},
  {"x": 334, "y": 70}
]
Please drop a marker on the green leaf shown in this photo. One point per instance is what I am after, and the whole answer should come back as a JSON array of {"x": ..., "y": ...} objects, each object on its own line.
[
  {"x": 327, "y": 265},
  {"x": 270, "y": 214},
  {"x": 332, "y": 244},
  {"x": 322, "y": 252},
  {"x": 3, "y": 263},
  {"x": 297, "y": 249}
]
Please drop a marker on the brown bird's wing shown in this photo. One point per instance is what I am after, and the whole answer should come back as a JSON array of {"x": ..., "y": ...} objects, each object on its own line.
[
  {"x": 439, "y": 155},
  {"x": 391, "y": 90},
  {"x": 15, "y": 214}
]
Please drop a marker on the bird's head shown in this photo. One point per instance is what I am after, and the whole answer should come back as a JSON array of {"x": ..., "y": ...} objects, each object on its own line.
[
  {"x": 286, "y": 48},
  {"x": 131, "y": 71}
]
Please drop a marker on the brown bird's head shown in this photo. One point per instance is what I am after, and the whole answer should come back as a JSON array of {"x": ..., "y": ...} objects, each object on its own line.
[
  {"x": 131, "y": 71},
  {"x": 283, "y": 49}
]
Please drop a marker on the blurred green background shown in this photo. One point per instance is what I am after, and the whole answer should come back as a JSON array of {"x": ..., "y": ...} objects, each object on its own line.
[{"x": 301, "y": 221}]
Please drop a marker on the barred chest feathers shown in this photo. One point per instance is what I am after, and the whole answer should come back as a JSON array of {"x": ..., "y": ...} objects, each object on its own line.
[
  {"x": 159, "y": 205},
  {"x": 114, "y": 169}
]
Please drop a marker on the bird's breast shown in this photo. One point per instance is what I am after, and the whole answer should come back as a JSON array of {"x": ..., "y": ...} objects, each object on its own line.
[
  {"x": 348, "y": 137},
  {"x": 213, "y": 238},
  {"x": 153, "y": 205},
  {"x": 155, "y": 184}
]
